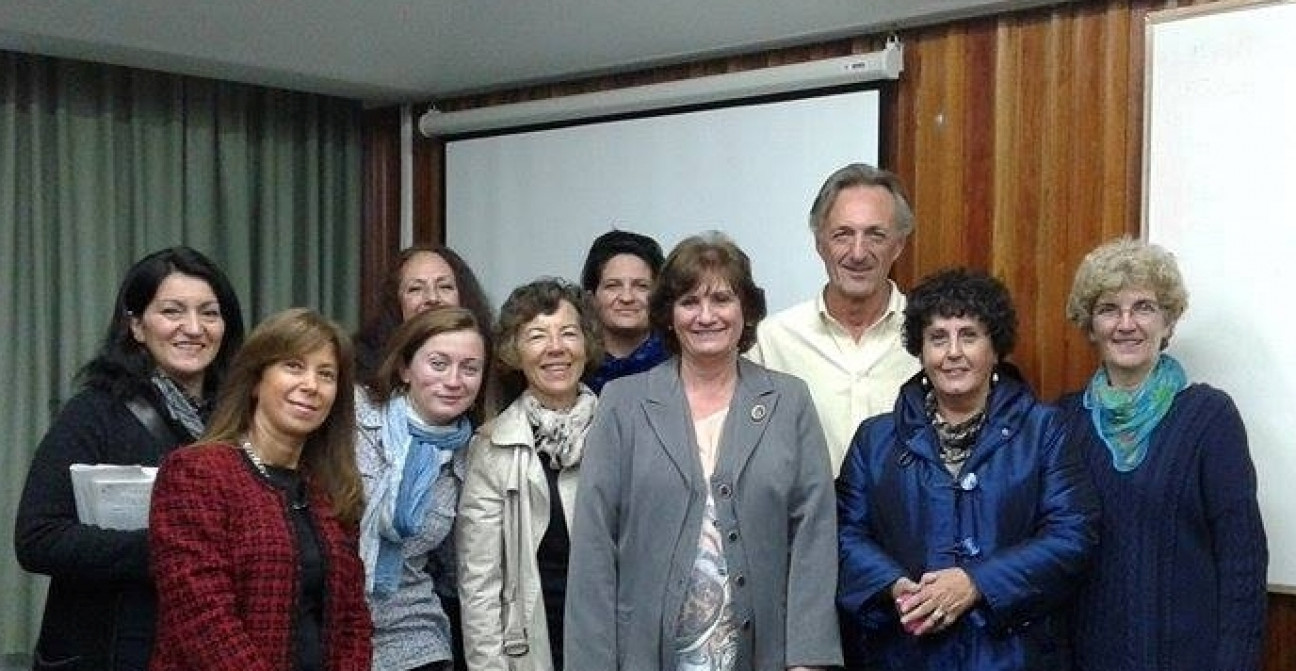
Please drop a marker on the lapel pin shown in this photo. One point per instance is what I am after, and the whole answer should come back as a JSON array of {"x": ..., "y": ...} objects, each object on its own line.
[{"x": 758, "y": 412}]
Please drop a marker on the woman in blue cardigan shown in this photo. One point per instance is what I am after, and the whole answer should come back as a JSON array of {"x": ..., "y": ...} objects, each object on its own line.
[
  {"x": 1180, "y": 578},
  {"x": 963, "y": 520}
]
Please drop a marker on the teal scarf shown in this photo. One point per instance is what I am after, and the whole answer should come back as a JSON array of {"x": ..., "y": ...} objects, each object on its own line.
[{"x": 1125, "y": 418}]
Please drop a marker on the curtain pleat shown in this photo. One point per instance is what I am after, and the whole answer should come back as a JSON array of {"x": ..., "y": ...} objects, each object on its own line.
[{"x": 100, "y": 165}]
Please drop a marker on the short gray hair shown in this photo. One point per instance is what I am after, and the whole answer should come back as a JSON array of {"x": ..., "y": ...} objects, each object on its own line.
[
  {"x": 1126, "y": 263},
  {"x": 861, "y": 174}
]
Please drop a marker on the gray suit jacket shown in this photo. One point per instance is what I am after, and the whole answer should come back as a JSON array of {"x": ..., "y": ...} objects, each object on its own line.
[{"x": 639, "y": 514}]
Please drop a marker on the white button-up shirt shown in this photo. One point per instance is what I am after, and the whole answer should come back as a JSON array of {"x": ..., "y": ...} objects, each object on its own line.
[{"x": 849, "y": 380}]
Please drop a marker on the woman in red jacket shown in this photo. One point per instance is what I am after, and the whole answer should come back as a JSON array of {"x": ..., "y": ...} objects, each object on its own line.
[{"x": 254, "y": 530}]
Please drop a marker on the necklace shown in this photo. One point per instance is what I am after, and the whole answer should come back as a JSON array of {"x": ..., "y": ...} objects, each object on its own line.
[
  {"x": 256, "y": 459},
  {"x": 297, "y": 500}
]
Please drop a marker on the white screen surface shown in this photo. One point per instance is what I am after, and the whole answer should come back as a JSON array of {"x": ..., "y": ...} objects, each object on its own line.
[
  {"x": 1221, "y": 164},
  {"x": 528, "y": 204}
]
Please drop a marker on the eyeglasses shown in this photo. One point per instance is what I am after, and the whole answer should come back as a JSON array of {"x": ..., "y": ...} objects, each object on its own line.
[{"x": 1141, "y": 311}]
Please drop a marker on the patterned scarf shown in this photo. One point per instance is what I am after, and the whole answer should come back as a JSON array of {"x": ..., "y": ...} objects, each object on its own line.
[
  {"x": 1125, "y": 418},
  {"x": 560, "y": 433},
  {"x": 189, "y": 412},
  {"x": 414, "y": 452},
  {"x": 956, "y": 440}
]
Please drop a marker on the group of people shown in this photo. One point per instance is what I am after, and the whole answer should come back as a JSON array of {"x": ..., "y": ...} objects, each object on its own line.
[{"x": 643, "y": 472}]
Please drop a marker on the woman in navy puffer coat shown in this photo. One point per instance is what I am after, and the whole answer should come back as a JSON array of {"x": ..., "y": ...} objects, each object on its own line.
[{"x": 963, "y": 522}]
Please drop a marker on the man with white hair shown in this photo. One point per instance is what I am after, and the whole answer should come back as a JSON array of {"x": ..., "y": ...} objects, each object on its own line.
[{"x": 846, "y": 341}]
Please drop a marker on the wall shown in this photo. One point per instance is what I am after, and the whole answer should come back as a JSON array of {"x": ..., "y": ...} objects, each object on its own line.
[{"x": 1020, "y": 138}]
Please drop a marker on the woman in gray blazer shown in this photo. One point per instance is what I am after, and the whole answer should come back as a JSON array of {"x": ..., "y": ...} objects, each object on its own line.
[{"x": 704, "y": 536}]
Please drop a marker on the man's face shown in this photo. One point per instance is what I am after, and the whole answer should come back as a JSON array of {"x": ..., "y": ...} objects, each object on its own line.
[{"x": 859, "y": 241}]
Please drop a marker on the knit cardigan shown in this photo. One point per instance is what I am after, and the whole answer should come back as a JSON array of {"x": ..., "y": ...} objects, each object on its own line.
[
  {"x": 1179, "y": 582},
  {"x": 225, "y": 559}
]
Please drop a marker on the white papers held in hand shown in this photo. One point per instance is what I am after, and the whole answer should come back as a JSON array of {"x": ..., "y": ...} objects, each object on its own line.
[{"x": 112, "y": 496}]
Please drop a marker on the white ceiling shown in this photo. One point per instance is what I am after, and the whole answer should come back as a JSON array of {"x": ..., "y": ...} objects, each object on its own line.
[{"x": 385, "y": 51}]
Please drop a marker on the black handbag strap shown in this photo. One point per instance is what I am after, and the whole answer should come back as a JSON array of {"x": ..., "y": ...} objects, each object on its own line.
[{"x": 152, "y": 420}]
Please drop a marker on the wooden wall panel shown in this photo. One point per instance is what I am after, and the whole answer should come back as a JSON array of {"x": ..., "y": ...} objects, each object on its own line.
[
  {"x": 1280, "y": 633},
  {"x": 1019, "y": 137},
  {"x": 1017, "y": 143},
  {"x": 382, "y": 199},
  {"x": 429, "y": 189},
  {"x": 381, "y": 204}
]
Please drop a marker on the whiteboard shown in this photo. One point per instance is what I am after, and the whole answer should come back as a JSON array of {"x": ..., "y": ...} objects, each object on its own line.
[
  {"x": 528, "y": 204},
  {"x": 1220, "y": 192}
]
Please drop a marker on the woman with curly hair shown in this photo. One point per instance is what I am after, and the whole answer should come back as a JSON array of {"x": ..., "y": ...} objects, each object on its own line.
[
  {"x": 1179, "y": 581},
  {"x": 515, "y": 512},
  {"x": 963, "y": 520},
  {"x": 423, "y": 277}
]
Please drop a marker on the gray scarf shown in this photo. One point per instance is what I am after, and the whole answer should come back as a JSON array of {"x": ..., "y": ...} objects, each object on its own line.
[
  {"x": 560, "y": 433},
  {"x": 178, "y": 404}
]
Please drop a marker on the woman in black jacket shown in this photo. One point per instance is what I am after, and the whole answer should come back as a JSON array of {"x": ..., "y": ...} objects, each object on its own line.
[{"x": 176, "y": 324}]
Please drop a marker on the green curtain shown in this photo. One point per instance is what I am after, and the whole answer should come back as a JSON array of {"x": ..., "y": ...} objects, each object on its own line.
[{"x": 100, "y": 165}]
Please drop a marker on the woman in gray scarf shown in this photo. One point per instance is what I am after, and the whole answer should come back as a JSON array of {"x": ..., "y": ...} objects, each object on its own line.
[
  {"x": 520, "y": 490},
  {"x": 174, "y": 328}
]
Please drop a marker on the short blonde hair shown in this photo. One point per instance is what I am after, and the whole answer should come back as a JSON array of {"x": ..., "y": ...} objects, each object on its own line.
[{"x": 1126, "y": 263}]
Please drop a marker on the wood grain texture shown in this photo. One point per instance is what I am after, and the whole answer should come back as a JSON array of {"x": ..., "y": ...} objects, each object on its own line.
[
  {"x": 381, "y": 204},
  {"x": 1280, "y": 633},
  {"x": 429, "y": 189}
]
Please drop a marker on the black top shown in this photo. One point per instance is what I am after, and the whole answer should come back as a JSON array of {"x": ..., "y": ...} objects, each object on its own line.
[
  {"x": 101, "y": 608},
  {"x": 555, "y": 546},
  {"x": 308, "y": 637}
]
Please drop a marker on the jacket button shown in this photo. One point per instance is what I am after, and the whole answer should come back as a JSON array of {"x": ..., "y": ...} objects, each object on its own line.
[
  {"x": 969, "y": 482},
  {"x": 746, "y": 625},
  {"x": 725, "y": 491},
  {"x": 740, "y": 580},
  {"x": 733, "y": 536}
]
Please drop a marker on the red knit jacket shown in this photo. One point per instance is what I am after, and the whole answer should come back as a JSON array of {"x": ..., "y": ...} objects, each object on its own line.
[{"x": 225, "y": 560}]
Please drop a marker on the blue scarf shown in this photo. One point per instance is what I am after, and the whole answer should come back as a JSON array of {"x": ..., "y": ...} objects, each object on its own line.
[
  {"x": 1125, "y": 418},
  {"x": 400, "y": 499},
  {"x": 647, "y": 355}
]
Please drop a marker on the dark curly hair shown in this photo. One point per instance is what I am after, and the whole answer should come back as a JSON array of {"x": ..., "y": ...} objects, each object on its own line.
[
  {"x": 372, "y": 338},
  {"x": 693, "y": 261},
  {"x": 960, "y": 292}
]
